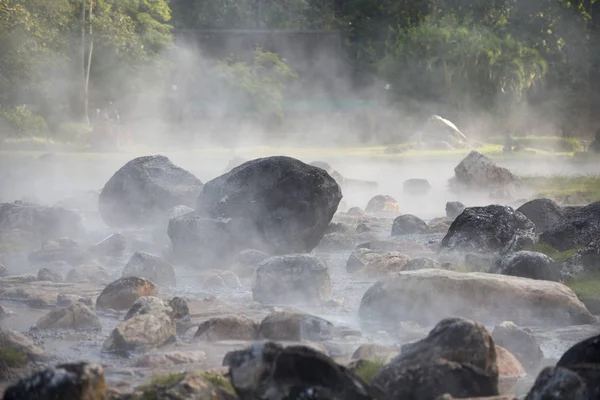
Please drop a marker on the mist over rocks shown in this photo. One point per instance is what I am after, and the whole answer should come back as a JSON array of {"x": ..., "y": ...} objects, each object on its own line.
[
  {"x": 144, "y": 190},
  {"x": 382, "y": 204},
  {"x": 528, "y": 264},
  {"x": 575, "y": 229},
  {"x": 428, "y": 295},
  {"x": 487, "y": 229},
  {"x": 151, "y": 267},
  {"x": 40, "y": 222},
  {"x": 278, "y": 205},
  {"x": 479, "y": 173}
]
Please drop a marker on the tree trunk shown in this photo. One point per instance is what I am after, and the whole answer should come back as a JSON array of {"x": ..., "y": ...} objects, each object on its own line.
[{"x": 88, "y": 67}]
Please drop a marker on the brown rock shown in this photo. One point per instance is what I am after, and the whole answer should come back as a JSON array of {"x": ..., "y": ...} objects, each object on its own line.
[
  {"x": 122, "y": 293},
  {"x": 510, "y": 371},
  {"x": 76, "y": 316},
  {"x": 228, "y": 328},
  {"x": 295, "y": 327}
]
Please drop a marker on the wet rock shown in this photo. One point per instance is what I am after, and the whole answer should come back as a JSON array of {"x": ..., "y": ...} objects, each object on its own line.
[
  {"x": 295, "y": 372},
  {"x": 87, "y": 273},
  {"x": 386, "y": 263},
  {"x": 356, "y": 211},
  {"x": 426, "y": 296},
  {"x": 521, "y": 343},
  {"x": 408, "y": 224},
  {"x": 440, "y": 225},
  {"x": 122, "y": 293},
  {"x": 510, "y": 370},
  {"x": 40, "y": 221},
  {"x": 360, "y": 258},
  {"x": 527, "y": 264},
  {"x": 337, "y": 241},
  {"x": 298, "y": 327},
  {"x": 383, "y": 246},
  {"x": 478, "y": 172},
  {"x": 148, "y": 305},
  {"x": 151, "y": 267},
  {"x": 246, "y": 261},
  {"x": 486, "y": 229},
  {"x": 76, "y": 316},
  {"x": 584, "y": 260},
  {"x": 291, "y": 279},
  {"x": 17, "y": 341},
  {"x": 266, "y": 203},
  {"x": 144, "y": 190},
  {"x": 228, "y": 328},
  {"x": 542, "y": 212},
  {"x": 583, "y": 358},
  {"x": 421, "y": 263},
  {"x": 454, "y": 209},
  {"x": 575, "y": 229},
  {"x": 458, "y": 357},
  {"x": 374, "y": 352},
  {"x": 180, "y": 307},
  {"x": 113, "y": 246},
  {"x": 558, "y": 384},
  {"x": 141, "y": 332},
  {"x": 417, "y": 187},
  {"x": 382, "y": 204},
  {"x": 45, "y": 274},
  {"x": 78, "y": 381}
]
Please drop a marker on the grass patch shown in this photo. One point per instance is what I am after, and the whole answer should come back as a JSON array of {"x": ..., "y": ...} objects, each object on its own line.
[
  {"x": 586, "y": 188},
  {"x": 166, "y": 379},
  {"x": 13, "y": 358},
  {"x": 366, "y": 369},
  {"x": 558, "y": 256},
  {"x": 547, "y": 143},
  {"x": 586, "y": 286},
  {"x": 219, "y": 381}
]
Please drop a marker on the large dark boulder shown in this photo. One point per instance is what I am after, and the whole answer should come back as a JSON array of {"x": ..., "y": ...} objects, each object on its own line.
[
  {"x": 527, "y": 264},
  {"x": 144, "y": 190},
  {"x": 280, "y": 203},
  {"x": 585, "y": 260},
  {"x": 575, "y": 229},
  {"x": 559, "y": 384},
  {"x": 40, "y": 221},
  {"x": 265, "y": 371},
  {"x": 583, "y": 358},
  {"x": 458, "y": 357},
  {"x": 487, "y": 229},
  {"x": 408, "y": 224},
  {"x": 542, "y": 212}
]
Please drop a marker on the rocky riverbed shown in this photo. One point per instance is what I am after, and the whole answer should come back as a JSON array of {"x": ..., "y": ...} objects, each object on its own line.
[{"x": 158, "y": 273}]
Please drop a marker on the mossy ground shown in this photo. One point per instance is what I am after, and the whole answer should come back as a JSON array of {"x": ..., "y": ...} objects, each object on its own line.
[
  {"x": 585, "y": 188},
  {"x": 558, "y": 256},
  {"x": 367, "y": 369},
  {"x": 586, "y": 286},
  {"x": 13, "y": 358}
]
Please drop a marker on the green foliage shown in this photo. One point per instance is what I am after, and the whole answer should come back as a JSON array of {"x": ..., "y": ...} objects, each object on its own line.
[
  {"x": 367, "y": 369},
  {"x": 12, "y": 357},
  {"x": 22, "y": 121},
  {"x": 558, "y": 256},
  {"x": 559, "y": 187},
  {"x": 586, "y": 286},
  {"x": 552, "y": 143},
  {"x": 261, "y": 84}
]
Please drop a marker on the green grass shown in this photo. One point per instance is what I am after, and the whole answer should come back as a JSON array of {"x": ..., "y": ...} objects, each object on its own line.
[
  {"x": 13, "y": 358},
  {"x": 586, "y": 286},
  {"x": 219, "y": 381},
  {"x": 558, "y": 256},
  {"x": 367, "y": 369},
  {"x": 546, "y": 143},
  {"x": 166, "y": 379},
  {"x": 559, "y": 187}
]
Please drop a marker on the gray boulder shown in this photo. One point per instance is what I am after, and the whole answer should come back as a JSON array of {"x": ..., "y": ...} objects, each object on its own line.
[
  {"x": 382, "y": 204},
  {"x": 291, "y": 279},
  {"x": 40, "y": 221},
  {"x": 575, "y": 229},
  {"x": 487, "y": 229},
  {"x": 296, "y": 327},
  {"x": 151, "y": 267},
  {"x": 585, "y": 260},
  {"x": 408, "y": 224},
  {"x": 478, "y": 172},
  {"x": 542, "y": 212},
  {"x": 279, "y": 205},
  {"x": 144, "y": 190},
  {"x": 559, "y": 384},
  {"x": 454, "y": 209},
  {"x": 521, "y": 343},
  {"x": 528, "y": 264}
]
